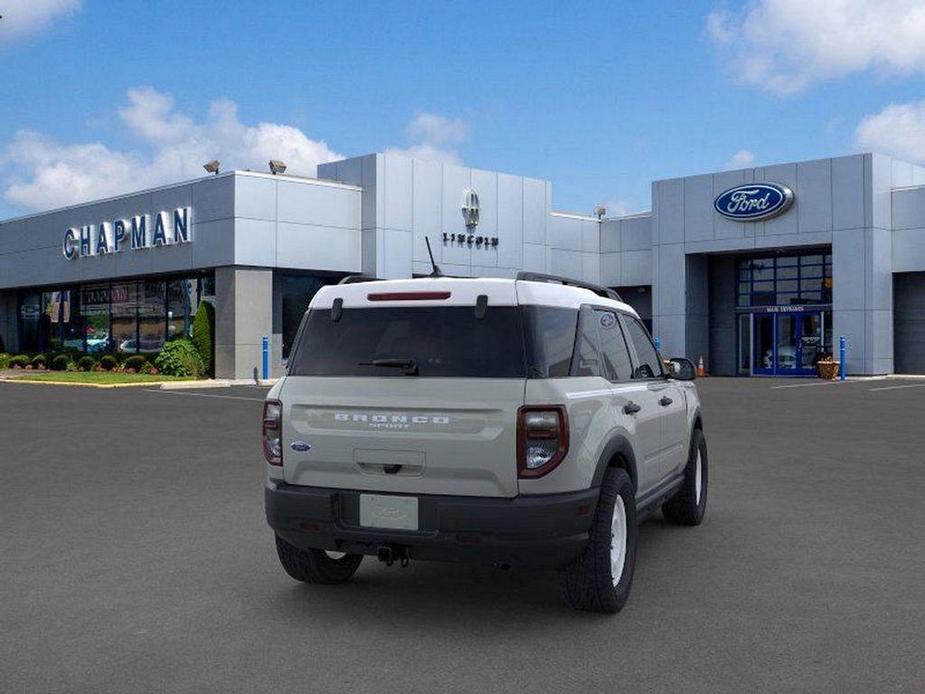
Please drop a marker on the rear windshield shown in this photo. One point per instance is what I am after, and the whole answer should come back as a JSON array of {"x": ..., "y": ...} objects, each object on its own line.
[{"x": 445, "y": 341}]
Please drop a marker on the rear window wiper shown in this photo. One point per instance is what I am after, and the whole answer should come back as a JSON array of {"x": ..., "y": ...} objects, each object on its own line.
[{"x": 409, "y": 366}]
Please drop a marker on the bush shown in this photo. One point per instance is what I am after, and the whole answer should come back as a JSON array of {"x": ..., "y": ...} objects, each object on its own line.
[
  {"x": 4, "y": 360},
  {"x": 60, "y": 363},
  {"x": 20, "y": 361},
  {"x": 39, "y": 361},
  {"x": 87, "y": 363},
  {"x": 180, "y": 358},
  {"x": 136, "y": 362},
  {"x": 203, "y": 331},
  {"x": 108, "y": 362}
]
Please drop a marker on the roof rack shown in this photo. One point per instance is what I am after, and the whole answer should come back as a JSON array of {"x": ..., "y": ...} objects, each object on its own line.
[
  {"x": 356, "y": 279},
  {"x": 605, "y": 292}
]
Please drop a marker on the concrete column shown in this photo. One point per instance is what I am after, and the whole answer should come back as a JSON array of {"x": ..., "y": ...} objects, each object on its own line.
[{"x": 243, "y": 315}]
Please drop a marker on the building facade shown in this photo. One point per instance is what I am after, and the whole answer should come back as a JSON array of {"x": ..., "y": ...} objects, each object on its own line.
[{"x": 757, "y": 270}]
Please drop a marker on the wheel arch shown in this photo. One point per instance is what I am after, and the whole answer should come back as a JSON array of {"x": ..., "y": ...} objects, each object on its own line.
[{"x": 617, "y": 453}]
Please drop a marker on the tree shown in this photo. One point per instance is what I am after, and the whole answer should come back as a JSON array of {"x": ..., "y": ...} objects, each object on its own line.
[{"x": 203, "y": 335}]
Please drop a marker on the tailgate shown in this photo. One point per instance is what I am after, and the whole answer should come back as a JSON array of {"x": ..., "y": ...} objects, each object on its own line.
[{"x": 406, "y": 435}]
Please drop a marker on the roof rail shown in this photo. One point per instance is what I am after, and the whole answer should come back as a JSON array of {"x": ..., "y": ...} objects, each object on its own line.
[
  {"x": 356, "y": 279},
  {"x": 605, "y": 292}
]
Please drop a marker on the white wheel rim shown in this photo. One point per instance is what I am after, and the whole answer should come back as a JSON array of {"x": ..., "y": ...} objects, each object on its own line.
[
  {"x": 618, "y": 540},
  {"x": 335, "y": 555},
  {"x": 698, "y": 477}
]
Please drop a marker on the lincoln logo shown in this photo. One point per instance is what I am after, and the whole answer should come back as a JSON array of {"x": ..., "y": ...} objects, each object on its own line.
[
  {"x": 470, "y": 208},
  {"x": 754, "y": 202}
]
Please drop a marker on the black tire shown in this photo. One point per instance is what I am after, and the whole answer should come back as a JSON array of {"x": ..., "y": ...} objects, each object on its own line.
[
  {"x": 588, "y": 582},
  {"x": 314, "y": 565},
  {"x": 685, "y": 508}
]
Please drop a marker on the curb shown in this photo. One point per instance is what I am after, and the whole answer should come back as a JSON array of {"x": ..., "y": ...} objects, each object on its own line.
[{"x": 148, "y": 384}]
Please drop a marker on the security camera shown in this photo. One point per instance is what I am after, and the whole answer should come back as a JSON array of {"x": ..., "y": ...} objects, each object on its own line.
[
  {"x": 212, "y": 166},
  {"x": 277, "y": 166}
]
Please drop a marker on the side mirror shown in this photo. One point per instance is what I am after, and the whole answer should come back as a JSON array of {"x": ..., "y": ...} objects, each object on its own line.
[{"x": 681, "y": 369}]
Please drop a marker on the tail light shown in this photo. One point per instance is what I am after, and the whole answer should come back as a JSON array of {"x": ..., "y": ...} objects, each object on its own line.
[
  {"x": 542, "y": 439},
  {"x": 272, "y": 432}
]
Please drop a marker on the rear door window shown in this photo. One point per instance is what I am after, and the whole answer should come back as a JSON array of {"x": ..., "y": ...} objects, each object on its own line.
[
  {"x": 588, "y": 360},
  {"x": 613, "y": 346},
  {"x": 442, "y": 341},
  {"x": 648, "y": 365}
]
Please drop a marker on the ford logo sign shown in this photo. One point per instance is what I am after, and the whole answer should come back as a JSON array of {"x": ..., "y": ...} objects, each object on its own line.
[
  {"x": 300, "y": 446},
  {"x": 754, "y": 202}
]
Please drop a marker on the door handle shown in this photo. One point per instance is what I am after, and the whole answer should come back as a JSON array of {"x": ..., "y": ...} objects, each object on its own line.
[
  {"x": 631, "y": 408},
  {"x": 665, "y": 401}
]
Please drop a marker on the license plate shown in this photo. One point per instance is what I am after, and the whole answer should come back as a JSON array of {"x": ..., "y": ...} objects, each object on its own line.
[{"x": 396, "y": 512}]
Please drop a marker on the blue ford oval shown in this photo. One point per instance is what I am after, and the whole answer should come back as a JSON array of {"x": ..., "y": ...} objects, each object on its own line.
[{"x": 754, "y": 201}]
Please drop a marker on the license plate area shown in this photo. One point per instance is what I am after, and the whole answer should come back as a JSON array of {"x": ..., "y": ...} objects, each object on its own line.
[{"x": 394, "y": 512}]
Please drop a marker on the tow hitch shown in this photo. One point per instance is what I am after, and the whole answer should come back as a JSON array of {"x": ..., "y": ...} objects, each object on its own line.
[{"x": 389, "y": 554}]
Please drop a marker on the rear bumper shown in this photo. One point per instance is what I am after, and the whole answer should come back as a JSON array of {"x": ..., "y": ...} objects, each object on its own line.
[{"x": 543, "y": 531}]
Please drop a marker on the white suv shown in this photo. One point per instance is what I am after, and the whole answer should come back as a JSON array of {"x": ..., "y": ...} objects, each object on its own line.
[{"x": 526, "y": 422}]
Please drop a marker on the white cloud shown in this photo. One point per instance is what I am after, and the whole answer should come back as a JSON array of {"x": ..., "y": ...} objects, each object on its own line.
[
  {"x": 741, "y": 159},
  {"x": 434, "y": 137},
  {"x": 785, "y": 45},
  {"x": 899, "y": 129},
  {"x": 25, "y": 17},
  {"x": 45, "y": 174}
]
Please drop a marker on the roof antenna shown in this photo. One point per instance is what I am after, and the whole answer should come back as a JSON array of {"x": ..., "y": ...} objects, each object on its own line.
[{"x": 436, "y": 272}]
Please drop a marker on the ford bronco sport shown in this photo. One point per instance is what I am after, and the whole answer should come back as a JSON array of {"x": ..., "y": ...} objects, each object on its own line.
[{"x": 515, "y": 423}]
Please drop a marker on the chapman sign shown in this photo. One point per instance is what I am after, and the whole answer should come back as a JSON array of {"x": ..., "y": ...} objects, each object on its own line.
[
  {"x": 141, "y": 231},
  {"x": 754, "y": 202}
]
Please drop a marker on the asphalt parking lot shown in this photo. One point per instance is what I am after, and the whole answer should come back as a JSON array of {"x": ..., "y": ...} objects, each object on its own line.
[{"x": 134, "y": 556}]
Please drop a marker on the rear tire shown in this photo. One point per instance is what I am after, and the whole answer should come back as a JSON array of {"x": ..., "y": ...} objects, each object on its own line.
[
  {"x": 689, "y": 504},
  {"x": 600, "y": 579},
  {"x": 316, "y": 565}
]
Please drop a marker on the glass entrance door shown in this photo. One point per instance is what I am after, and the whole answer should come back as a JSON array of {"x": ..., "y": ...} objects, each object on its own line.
[{"x": 786, "y": 344}]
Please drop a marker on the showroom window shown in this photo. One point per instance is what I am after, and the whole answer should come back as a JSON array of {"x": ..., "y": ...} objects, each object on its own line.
[{"x": 785, "y": 280}]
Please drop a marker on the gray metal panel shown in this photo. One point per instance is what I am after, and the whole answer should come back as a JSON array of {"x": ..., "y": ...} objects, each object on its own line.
[
  {"x": 813, "y": 196},
  {"x": 909, "y": 250},
  {"x": 611, "y": 235},
  {"x": 534, "y": 258},
  {"x": 313, "y": 247},
  {"x": 427, "y": 207},
  {"x": 908, "y": 208},
  {"x": 535, "y": 211},
  {"x": 848, "y": 192},
  {"x": 637, "y": 233},
  {"x": 909, "y": 322},
  {"x": 564, "y": 232},
  {"x": 510, "y": 221},
  {"x": 698, "y": 208},
  {"x": 255, "y": 197},
  {"x": 397, "y": 192},
  {"x": 255, "y": 243},
  {"x": 319, "y": 204}
]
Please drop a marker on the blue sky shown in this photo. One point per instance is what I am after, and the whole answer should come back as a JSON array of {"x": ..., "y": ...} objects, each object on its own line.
[{"x": 599, "y": 98}]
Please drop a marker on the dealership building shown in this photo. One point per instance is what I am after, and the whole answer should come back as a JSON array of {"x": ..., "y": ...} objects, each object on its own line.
[{"x": 757, "y": 270}]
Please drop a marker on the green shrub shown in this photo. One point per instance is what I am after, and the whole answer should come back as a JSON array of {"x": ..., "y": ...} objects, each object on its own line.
[
  {"x": 179, "y": 358},
  {"x": 109, "y": 362},
  {"x": 203, "y": 332},
  {"x": 87, "y": 363},
  {"x": 60, "y": 363},
  {"x": 20, "y": 360},
  {"x": 4, "y": 360},
  {"x": 136, "y": 361},
  {"x": 38, "y": 361}
]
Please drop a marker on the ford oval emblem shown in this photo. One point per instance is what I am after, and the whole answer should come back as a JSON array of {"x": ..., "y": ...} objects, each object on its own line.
[
  {"x": 754, "y": 201},
  {"x": 300, "y": 446}
]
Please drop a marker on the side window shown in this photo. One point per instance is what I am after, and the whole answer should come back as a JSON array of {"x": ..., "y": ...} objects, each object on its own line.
[
  {"x": 649, "y": 365},
  {"x": 587, "y": 360},
  {"x": 613, "y": 347}
]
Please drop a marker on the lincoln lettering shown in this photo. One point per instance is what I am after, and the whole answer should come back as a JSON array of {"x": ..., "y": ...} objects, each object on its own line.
[{"x": 165, "y": 228}]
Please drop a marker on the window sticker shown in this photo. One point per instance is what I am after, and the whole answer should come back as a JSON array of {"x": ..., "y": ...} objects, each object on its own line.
[{"x": 608, "y": 320}]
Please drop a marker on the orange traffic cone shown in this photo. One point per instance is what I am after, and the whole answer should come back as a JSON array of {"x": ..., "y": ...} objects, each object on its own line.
[{"x": 700, "y": 370}]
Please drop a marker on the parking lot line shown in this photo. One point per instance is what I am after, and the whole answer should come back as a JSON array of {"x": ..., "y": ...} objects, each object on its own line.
[
  {"x": 907, "y": 385},
  {"x": 202, "y": 395},
  {"x": 805, "y": 385}
]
